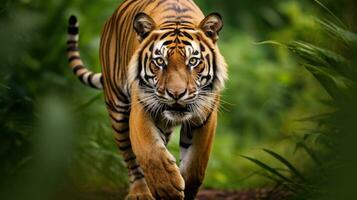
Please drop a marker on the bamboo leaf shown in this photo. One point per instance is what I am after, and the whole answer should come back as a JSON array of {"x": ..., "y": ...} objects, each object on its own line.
[
  {"x": 286, "y": 163},
  {"x": 310, "y": 152},
  {"x": 333, "y": 83},
  {"x": 268, "y": 168},
  {"x": 316, "y": 118},
  {"x": 271, "y": 42},
  {"x": 316, "y": 55},
  {"x": 338, "y": 32},
  {"x": 330, "y": 12}
]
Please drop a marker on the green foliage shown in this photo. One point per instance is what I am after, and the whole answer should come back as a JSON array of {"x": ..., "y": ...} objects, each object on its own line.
[
  {"x": 34, "y": 69},
  {"x": 329, "y": 145}
]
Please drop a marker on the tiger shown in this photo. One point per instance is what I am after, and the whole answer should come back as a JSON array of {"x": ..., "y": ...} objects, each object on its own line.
[{"x": 161, "y": 68}]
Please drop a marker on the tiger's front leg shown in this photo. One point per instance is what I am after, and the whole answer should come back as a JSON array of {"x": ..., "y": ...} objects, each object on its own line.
[
  {"x": 161, "y": 172},
  {"x": 119, "y": 114},
  {"x": 195, "y": 149}
]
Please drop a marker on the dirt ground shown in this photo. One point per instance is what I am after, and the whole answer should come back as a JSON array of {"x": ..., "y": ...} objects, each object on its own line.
[
  {"x": 253, "y": 194},
  {"x": 204, "y": 194}
]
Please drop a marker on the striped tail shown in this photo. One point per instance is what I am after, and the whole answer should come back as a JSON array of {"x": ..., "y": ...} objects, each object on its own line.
[{"x": 87, "y": 77}]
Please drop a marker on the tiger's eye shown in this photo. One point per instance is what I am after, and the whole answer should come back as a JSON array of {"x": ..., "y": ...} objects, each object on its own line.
[
  {"x": 160, "y": 61},
  {"x": 193, "y": 61}
]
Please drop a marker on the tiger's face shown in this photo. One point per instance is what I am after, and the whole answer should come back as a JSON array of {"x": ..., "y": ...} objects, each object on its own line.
[{"x": 179, "y": 68}]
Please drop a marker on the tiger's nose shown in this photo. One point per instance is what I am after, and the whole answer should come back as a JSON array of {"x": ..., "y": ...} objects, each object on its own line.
[{"x": 176, "y": 94}]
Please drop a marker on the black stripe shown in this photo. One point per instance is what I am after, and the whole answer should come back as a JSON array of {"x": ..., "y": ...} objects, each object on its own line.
[
  {"x": 214, "y": 66},
  {"x": 170, "y": 24},
  {"x": 109, "y": 105},
  {"x": 123, "y": 120},
  {"x": 90, "y": 81},
  {"x": 122, "y": 96},
  {"x": 122, "y": 107},
  {"x": 147, "y": 77},
  {"x": 73, "y": 48},
  {"x": 151, "y": 48},
  {"x": 125, "y": 130},
  {"x": 130, "y": 159},
  {"x": 194, "y": 96},
  {"x": 163, "y": 138},
  {"x": 101, "y": 80},
  {"x": 165, "y": 35},
  {"x": 74, "y": 58},
  {"x": 81, "y": 78},
  {"x": 178, "y": 22},
  {"x": 186, "y": 43},
  {"x": 168, "y": 42},
  {"x": 137, "y": 174},
  {"x": 77, "y": 68},
  {"x": 167, "y": 28},
  {"x": 179, "y": 189},
  {"x": 187, "y": 35},
  {"x": 72, "y": 42},
  {"x": 177, "y": 40},
  {"x": 125, "y": 148},
  {"x": 119, "y": 111},
  {"x": 208, "y": 87},
  {"x": 187, "y": 131},
  {"x": 73, "y": 30},
  {"x": 115, "y": 109},
  {"x": 143, "y": 84},
  {"x": 160, "y": 130},
  {"x": 134, "y": 167},
  {"x": 123, "y": 140},
  {"x": 72, "y": 20},
  {"x": 184, "y": 145},
  {"x": 146, "y": 58}
]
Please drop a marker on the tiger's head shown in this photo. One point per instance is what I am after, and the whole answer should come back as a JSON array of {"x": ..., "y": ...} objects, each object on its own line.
[{"x": 178, "y": 67}]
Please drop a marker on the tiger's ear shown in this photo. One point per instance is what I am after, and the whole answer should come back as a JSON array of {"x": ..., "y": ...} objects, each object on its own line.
[
  {"x": 143, "y": 25},
  {"x": 211, "y": 25}
]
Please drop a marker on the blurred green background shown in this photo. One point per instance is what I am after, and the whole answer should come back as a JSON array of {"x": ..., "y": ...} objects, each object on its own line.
[{"x": 55, "y": 136}]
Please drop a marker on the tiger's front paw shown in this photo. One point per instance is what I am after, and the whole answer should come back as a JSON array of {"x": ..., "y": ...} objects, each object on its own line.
[
  {"x": 164, "y": 178},
  {"x": 139, "y": 191},
  {"x": 139, "y": 196}
]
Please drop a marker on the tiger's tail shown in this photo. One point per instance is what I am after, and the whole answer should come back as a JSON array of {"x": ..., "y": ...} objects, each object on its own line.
[{"x": 87, "y": 77}]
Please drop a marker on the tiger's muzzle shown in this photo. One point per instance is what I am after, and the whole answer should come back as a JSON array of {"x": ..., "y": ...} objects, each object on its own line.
[{"x": 177, "y": 104}]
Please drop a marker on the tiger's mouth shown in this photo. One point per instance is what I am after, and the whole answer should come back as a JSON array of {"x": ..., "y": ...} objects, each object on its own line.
[
  {"x": 177, "y": 113},
  {"x": 177, "y": 108}
]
